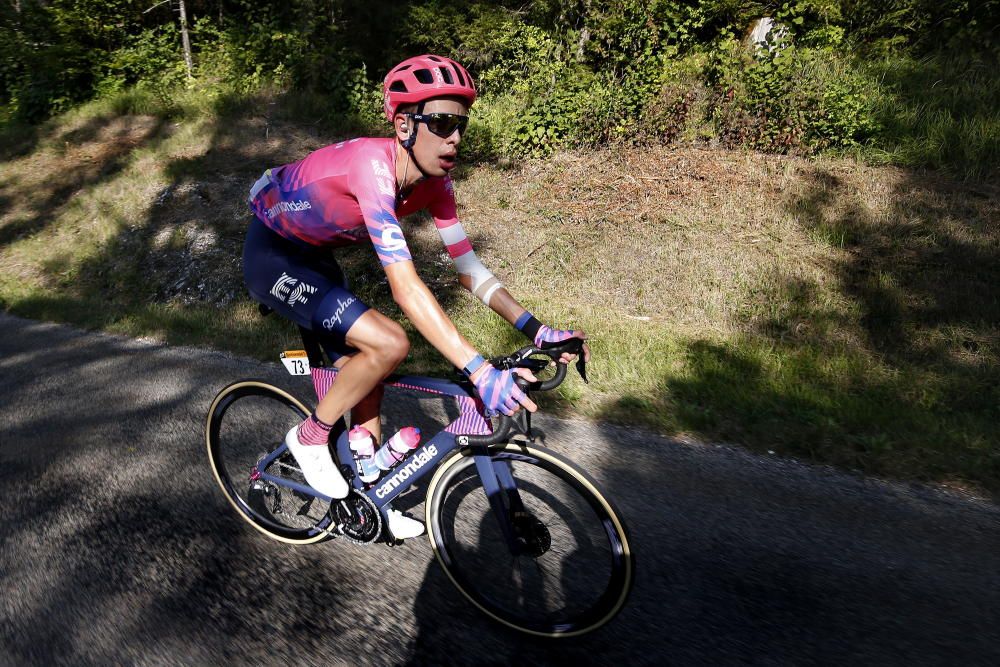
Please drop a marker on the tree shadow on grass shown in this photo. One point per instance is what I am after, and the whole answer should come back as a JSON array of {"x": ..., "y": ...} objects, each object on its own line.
[
  {"x": 101, "y": 148},
  {"x": 930, "y": 263},
  {"x": 891, "y": 366},
  {"x": 17, "y": 139}
]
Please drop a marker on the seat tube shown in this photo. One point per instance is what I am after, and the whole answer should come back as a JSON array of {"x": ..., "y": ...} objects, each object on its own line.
[{"x": 494, "y": 493}]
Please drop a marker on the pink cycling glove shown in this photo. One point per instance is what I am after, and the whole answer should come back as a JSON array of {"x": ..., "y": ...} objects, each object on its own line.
[
  {"x": 498, "y": 390},
  {"x": 549, "y": 335},
  {"x": 540, "y": 333}
]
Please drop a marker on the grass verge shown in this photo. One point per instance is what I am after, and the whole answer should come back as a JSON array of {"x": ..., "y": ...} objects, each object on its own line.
[{"x": 843, "y": 313}]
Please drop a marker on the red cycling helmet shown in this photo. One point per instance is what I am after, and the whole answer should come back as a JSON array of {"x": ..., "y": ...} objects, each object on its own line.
[{"x": 423, "y": 77}]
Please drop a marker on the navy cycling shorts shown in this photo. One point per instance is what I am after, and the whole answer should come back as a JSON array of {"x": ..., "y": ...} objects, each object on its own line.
[{"x": 301, "y": 282}]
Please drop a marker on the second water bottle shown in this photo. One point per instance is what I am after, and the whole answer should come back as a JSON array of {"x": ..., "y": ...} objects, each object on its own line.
[{"x": 397, "y": 447}]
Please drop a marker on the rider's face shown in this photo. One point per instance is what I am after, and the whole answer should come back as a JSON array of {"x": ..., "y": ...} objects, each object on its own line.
[{"x": 436, "y": 155}]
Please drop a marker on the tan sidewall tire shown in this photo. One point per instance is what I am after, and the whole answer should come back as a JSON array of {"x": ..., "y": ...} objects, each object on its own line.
[
  {"x": 215, "y": 468},
  {"x": 569, "y": 468}
]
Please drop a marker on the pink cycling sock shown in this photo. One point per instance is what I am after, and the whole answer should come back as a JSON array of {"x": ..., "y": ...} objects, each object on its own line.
[{"x": 314, "y": 431}]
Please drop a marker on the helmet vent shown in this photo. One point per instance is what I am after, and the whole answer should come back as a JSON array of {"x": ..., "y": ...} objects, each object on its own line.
[
  {"x": 398, "y": 87},
  {"x": 446, "y": 73},
  {"x": 423, "y": 76},
  {"x": 434, "y": 58},
  {"x": 461, "y": 79}
]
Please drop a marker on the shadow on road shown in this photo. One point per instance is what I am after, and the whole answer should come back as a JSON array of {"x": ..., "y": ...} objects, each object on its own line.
[
  {"x": 742, "y": 560},
  {"x": 120, "y": 549}
]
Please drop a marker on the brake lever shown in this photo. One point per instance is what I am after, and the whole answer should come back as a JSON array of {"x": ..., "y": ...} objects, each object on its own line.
[{"x": 581, "y": 364}]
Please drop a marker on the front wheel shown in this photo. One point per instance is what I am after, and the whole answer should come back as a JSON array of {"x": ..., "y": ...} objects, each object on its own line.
[
  {"x": 561, "y": 567},
  {"x": 246, "y": 423}
]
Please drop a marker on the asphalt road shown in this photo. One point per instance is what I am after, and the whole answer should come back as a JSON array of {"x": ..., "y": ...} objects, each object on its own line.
[{"x": 117, "y": 548}]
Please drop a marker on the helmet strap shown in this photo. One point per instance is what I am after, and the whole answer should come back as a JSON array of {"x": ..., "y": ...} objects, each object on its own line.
[{"x": 408, "y": 145}]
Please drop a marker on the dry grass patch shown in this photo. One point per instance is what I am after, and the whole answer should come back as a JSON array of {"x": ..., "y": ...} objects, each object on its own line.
[
  {"x": 674, "y": 236},
  {"x": 825, "y": 309}
]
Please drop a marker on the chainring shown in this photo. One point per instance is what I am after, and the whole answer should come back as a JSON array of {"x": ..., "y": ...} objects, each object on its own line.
[{"x": 357, "y": 518}]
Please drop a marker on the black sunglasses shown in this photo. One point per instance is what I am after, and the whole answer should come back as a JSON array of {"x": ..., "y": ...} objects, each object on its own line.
[{"x": 442, "y": 124}]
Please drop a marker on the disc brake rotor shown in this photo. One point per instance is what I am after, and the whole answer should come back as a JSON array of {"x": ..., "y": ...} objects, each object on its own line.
[{"x": 532, "y": 534}]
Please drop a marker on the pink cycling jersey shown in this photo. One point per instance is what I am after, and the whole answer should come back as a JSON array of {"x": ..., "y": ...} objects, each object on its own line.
[{"x": 337, "y": 194}]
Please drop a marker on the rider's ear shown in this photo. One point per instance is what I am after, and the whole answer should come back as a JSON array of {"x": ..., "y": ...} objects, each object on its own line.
[{"x": 403, "y": 127}]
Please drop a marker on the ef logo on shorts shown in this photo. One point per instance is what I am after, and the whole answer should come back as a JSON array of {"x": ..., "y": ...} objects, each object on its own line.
[{"x": 291, "y": 290}]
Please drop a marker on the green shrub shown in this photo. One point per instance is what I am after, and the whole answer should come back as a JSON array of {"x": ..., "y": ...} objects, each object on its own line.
[{"x": 790, "y": 99}]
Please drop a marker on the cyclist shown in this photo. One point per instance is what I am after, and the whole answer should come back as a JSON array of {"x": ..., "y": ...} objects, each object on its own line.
[{"x": 357, "y": 190}]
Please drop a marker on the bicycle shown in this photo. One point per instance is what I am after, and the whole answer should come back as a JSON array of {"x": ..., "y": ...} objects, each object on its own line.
[{"x": 550, "y": 518}]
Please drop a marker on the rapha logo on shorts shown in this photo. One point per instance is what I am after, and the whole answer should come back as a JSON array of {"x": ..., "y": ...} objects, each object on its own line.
[
  {"x": 333, "y": 321},
  {"x": 291, "y": 290}
]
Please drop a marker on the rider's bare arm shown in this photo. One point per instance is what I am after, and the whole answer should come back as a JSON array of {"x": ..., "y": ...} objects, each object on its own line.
[
  {"x": 423, "y": 310},
  {"x": 479, "y": 280},
  {"x": 501, "y": 301}
]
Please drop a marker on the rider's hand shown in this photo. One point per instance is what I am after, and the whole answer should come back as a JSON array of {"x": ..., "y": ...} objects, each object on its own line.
[
  {"x": 553, "y": 336},
  {"x": 499, "y": 391}
]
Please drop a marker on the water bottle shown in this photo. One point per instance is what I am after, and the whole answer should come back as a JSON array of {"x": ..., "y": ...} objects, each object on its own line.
[
  {"x": 397, "y": 447},
  {"x": 362, "y": 445}
]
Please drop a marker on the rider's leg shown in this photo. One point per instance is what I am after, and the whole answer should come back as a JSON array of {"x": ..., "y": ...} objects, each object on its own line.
[
  {"x": 387, "y": 340},
  {"x": 391, "y": 344},
  {"x": 308, "y": 287},
  {"x": 382, "y": 345},
  {"x": 368, "y": 412}
]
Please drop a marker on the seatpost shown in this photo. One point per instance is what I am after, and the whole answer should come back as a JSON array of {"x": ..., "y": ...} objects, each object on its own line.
[{"x": 313, "y": 351}]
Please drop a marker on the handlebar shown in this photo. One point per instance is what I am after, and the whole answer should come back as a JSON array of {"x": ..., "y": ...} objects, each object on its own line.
[{"x": 523, "y": 359}]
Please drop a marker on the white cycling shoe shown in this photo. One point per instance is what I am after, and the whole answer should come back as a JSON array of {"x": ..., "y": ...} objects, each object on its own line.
[
  {"x": 317, "y": 465},
  {"x": 402, "y": 526}
]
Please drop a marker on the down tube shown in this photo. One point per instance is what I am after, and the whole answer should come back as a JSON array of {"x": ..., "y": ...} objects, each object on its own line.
[{"x": 420, "y": 461}]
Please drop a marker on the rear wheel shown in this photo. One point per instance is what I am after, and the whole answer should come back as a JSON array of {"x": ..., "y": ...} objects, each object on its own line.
[
  {"x": 248, "y": 420},
  {"x": 571, "y": 570}
]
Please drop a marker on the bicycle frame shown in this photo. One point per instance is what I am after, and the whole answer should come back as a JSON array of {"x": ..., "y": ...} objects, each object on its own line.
[{"x": 498, "y": 481}]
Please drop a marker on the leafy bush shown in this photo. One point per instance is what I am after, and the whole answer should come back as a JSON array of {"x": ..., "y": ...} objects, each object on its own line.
[
  {"x": 551, "y": 73},
  {"x": 790, "y": 99},
  {"x": 150, "y": 59}
]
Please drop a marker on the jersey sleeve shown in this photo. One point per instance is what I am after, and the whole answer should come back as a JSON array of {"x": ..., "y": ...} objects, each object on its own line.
[
  {"x": 442, "y": 208},
  {"x": 373, "y": 185}
]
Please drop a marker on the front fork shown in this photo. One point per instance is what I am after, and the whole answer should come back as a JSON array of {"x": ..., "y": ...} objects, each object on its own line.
[
  {"x": 501, "y": 489},
  {"x": 502, "y": 492}
]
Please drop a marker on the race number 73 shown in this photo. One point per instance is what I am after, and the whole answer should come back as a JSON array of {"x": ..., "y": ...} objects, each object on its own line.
[{"x": 296, "y": 362}]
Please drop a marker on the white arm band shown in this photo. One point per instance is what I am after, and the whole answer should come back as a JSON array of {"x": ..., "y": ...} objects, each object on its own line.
[{"x": 484, "y": 283}]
